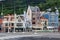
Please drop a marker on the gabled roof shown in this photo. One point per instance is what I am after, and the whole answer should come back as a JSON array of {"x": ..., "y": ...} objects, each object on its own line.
[
  {"x": 46, "y": 16},
  {"x": 34, "y": 8},
  {"x": 42, "y": 17}
]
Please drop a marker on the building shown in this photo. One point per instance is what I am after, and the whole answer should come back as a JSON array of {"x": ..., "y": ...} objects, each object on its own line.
[
  {"x": 13, "y": 23},
  {"x": 20, "y": 22},
  {"x": 59, "y": 21},
  {"x": 33, "y": 14},
  {"x": 32, "y": 19},
  {"x": 1, "y": 21},
  {"x": 43, "y": 23},
  {"x": 8, "y": 23},
  {"x": 52, "y": 19}
]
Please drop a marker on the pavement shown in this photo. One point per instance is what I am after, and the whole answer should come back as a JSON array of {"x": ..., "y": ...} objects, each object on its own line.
[{"x": 4, "y": 36}]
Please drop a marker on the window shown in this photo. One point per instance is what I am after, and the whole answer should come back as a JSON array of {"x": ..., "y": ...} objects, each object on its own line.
[
  {"x": 33, "y": 13},
  {"x": 52, "y": 20},
  {"x": 17, "y": 17},
  {"x": 12, "y": 18},
  {"x": 28, "y": 13},
  {"x": 33, "y": 22},
  {"x": 37, "y": 17},
  {"x": 53, "y": 24},
  {"x": 19, "y": 20},
  {"x": 22, "y": 17},
  {"x": 19, "y": 24},
  {"x": 33, "y": 18},
  {"x": 12, "y": 24},
  {"x": 7, "y": 19},
  {"x": 53, "y": 17},
  {"x": 6, "y": 24}
]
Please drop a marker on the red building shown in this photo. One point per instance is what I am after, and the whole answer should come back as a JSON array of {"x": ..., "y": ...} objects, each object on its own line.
[{"x": 1, "y": 21}]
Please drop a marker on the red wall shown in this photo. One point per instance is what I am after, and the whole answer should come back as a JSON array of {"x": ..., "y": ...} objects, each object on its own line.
[{"x": 1, "y": 21}]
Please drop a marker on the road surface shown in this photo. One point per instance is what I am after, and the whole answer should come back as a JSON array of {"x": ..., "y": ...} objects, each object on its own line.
[{"x": 7, "y": 36}]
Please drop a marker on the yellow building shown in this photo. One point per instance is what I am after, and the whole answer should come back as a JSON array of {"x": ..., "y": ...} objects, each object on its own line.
[{"x": 43, "y": 22}]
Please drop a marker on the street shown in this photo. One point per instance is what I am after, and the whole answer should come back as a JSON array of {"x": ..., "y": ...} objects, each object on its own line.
[{"x": 6, "y": 36}]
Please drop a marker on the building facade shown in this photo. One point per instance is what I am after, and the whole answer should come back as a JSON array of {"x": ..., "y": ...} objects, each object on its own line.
[
  {"x": 1, "y": 21},
  {"x": 13, "y": 23},
  {"x": 33, "y": 14},
  {"x": 8, "y": 23},
  {"x": 33, "y": 19},
  {"x": 43, "y": 22},
  {"x": 52, "y": 19},
  {"x": 59, "y": 21}
]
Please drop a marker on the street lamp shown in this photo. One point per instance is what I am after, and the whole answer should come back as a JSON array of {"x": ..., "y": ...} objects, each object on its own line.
[
  {"x": 14, "y": 22},
  {"x": 36, "y": 22},
  {"x": 24, "y": 24},
  {"x": 2, "y": 11},
  {"x": 14, "y": 17},
  {"x": 2, "y": 6},
  {"x": 8, "y": 23}
]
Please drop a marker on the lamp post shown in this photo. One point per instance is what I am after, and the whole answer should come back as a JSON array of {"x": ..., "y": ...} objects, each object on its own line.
[
  {"x": 24, "y": 27},
  {"x": 8, "y": 23},
  {"x": 14, "y": 22},
  {"x": 2, "y": 11},
  {"x": 14, "y": 17},
  {"x": 36, "y": 22},
  {"x": 24, "y": 24}
]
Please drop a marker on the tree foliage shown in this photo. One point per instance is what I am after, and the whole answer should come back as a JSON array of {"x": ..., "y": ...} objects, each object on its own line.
[{"x": 20, "y": 5}]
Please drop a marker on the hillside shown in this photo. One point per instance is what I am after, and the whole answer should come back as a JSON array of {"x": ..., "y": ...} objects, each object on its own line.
[{"x": 20, "y": 5}]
